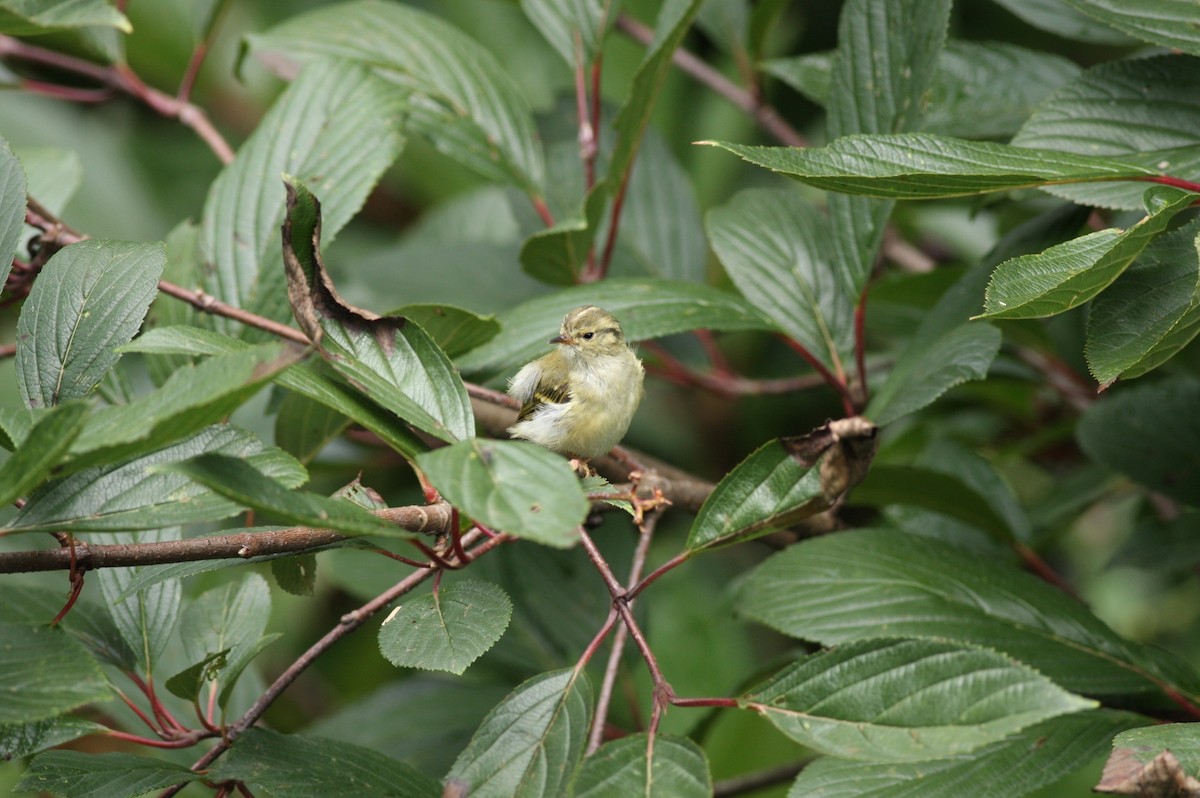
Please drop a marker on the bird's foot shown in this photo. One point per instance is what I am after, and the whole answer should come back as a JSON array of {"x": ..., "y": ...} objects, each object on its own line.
[{"x": 582, "y": 467}]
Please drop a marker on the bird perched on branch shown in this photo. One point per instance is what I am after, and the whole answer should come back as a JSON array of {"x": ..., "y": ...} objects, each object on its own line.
[{"x": 579, "y": 399}]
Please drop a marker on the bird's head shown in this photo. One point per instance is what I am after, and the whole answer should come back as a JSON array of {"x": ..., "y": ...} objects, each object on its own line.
[{"x": 590, "y": 330}]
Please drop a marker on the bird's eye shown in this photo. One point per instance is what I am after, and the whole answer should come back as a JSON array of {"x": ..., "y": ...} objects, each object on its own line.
[{"x": 587, "y": 336}]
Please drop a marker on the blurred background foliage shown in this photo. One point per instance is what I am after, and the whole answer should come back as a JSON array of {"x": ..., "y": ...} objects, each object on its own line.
[{"x": 435, "y": 232}]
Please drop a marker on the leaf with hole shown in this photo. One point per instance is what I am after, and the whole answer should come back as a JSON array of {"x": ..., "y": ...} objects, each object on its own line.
[
  {"x": 389, "y": 358},
  {"x": 337, "y": 127}
]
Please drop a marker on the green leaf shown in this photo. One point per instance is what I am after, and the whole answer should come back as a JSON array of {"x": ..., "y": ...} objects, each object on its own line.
[
  {"x": 981, "y": 90},
  {"x": 302, "y": 766},
  {"x": 1063, "y": 20},
  {"x": 513, "y": 486},
  {"x": 304, "y": 426},
  {"x": 1033, "y": 758},
  {"x": 53, "y": 175},
  {"x": 647, "y": 309},
  {"x": 674, "y": 19},
  {"x": 847, "y": 586},
  {"x": 925, "y": 166},
  {"x": 336, "y": 127},
  {"x": 146, "y": 618},
  {"x": 454, "y": 329},
  {"x": 108, "y": 775},
  {"x": 306, "y": 379},
  {"x": 575, "y": 29},
  {"x": 390, "y": 358},
  {"x": 924, "y": 373},
  {"x": 1149, "y": 433},
  {"x": 89, "y": 299},
  {"x": 12, "y": 207},
  {"x": 187, "y": 683},
  {"x": 249, "y": 487},
  {"x": 768, "y": 490},
  {"x": 89, "y": 624},
  {"x": 230, "y": 618},
  {"x": 907, "y": 700},
  {"x": 296, "y": 575},
  {"x": 1067, "y": 275},
  {"x": 886, "y": 59},
  {"x": 954, "y": 481},
  {"x": 558, "y": 255},
  {"x": 41, "y": 450},
  {"x": 27, "y": 655},
  {"x": 458, "y": 704},
  {"x": 448, "y": 629},
  {"x": 1139, "y": 747},
  {"x": 19, "y": 740},
  {"x": 661, "y": 221},
  {"x": 1143, "y": 110},
  {"x": 1170, "y": 23},
  {"x": 775, "y": 247},
  {"x": 193, "y": 398},
  {"x": 530, "y": 744},
  {"x": 29, "y": 17},
  {"x": 461, "y": 97},
  {"x": 1150, "y": 312},
  {"x": 639, "y": 765},
  {"x": 138, "y": 494}
]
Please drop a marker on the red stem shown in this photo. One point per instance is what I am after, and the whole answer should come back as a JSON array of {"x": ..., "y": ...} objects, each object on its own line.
[
  {"x": 860, "y": 344},
  {"x": 826, "y": 374}
]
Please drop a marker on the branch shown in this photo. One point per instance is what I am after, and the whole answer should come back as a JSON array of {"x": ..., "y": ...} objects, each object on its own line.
[
  {"x": 348, "y": 623},
  {"x": 121, "y": 78},
  {"x": 762, "y": 113},
  {"x": 434, "y": 519}
]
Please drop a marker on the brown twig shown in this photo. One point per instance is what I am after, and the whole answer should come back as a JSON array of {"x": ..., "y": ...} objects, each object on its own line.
[
  {"x": 347, "y": 624},
  {"x": 763, "y": 114},
  {"x": 611, "y": 668},
  {"x": 425, "y": 519},
  {"x": 121, "y": 78}
]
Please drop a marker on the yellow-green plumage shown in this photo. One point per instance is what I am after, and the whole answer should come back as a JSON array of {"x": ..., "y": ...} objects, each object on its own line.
[{"x": 579, "y": 399}]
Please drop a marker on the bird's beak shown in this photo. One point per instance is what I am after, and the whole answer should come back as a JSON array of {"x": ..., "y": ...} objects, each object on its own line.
[{"x": 562, "y": 339}]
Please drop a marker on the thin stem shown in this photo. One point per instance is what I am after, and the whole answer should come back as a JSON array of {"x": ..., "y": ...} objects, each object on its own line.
[
  {"x": 671, "y": 564},
  {"x": 826, "y": 374},
  {"x": 348, "y": 623},
  {"x": 722, "y": 382},
  {"x": 210, "y": 304},
  {"x": 604, "y": 697},
  {"x": 122, "y": 78},
  {"x": 1167, "y": 180},
  {"x": 860, "y": 346},
  {"x": 752, "y": 782},
  {"x": 763, "y": 114},
  {"x": 150, "y": 724},
  {"x": 180, "y": 742}
]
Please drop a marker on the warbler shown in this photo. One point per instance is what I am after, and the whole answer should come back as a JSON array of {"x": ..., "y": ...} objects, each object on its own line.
[{"x": 579, "y": 399}]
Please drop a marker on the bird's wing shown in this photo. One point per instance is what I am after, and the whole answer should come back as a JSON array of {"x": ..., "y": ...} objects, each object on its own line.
[{"x": 543, "y": 381}]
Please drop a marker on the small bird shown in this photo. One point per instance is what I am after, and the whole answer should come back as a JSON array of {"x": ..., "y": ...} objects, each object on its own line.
[{"x": 579, "y": 399}]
